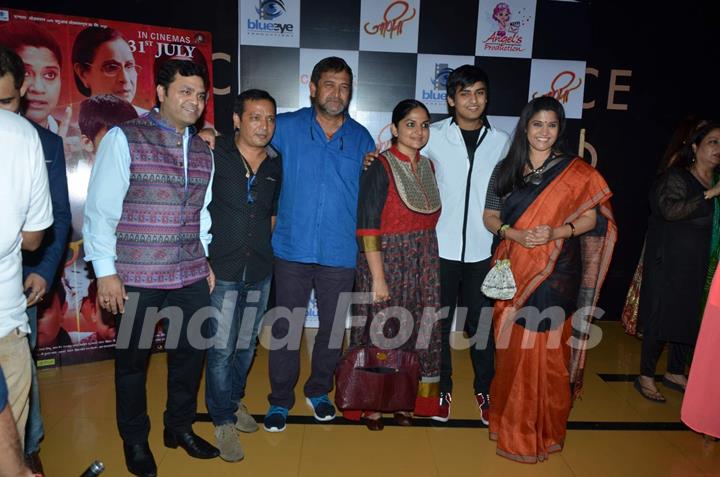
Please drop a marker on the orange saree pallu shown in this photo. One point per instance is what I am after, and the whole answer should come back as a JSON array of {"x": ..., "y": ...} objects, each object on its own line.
[{"x": 542, "y": 333}]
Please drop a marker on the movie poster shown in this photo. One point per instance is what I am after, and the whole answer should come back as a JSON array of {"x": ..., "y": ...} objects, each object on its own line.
[{"x": 87, "y": 75}]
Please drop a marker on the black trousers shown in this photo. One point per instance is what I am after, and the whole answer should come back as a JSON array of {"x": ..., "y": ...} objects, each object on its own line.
[
  {"x": 464, "y": 280},
  {"x": 293, "y": 283},
  {"x": 184, "y": 361},
  {"x": 651, "y": 351}
]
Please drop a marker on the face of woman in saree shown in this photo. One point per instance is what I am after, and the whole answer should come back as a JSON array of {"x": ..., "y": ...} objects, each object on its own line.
[
  {"x": 708, "y": 151},
  {"x": 412, "y": 131},
  {"x": 542, "y": 132}
]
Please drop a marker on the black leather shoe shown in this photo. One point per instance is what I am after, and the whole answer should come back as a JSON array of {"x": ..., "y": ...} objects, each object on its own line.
[
  {"x": 193, "y": 444},
  {"x": 139, "y": 460}
]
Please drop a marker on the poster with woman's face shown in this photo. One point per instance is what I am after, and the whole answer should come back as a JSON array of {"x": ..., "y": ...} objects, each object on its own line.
[
  {"x": 84, "y": 76},
  {"x": 70, "y": 59}
]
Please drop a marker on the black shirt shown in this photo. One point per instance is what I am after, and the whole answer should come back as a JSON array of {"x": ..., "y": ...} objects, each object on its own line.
[
  {"x": 240, "y": 249},
  {"x": 471, "y": 139}
]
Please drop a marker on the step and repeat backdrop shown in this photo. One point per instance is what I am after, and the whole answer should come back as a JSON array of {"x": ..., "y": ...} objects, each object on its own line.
[
  {"x": 401, "y": 49},
  {"x": 407, "y": 48}
]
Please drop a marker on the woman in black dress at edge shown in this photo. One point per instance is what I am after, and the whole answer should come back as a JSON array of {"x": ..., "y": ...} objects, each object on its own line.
[{"x": 676, "y": 260}]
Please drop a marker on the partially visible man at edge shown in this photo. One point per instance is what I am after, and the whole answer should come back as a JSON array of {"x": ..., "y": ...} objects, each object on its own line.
[
  {"x": 40, "y": 268},
  {"x": 25, "y": 214}
]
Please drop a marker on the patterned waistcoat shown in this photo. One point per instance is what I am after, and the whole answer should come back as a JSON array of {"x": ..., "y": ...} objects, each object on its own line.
[{"x": 158, "y": 236}]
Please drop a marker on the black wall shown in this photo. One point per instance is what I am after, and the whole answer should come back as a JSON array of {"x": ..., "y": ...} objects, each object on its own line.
[{"x": 673, "y": 52}]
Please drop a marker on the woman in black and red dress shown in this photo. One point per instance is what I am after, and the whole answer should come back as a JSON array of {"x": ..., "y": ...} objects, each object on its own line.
[{"x": 399, "y": 205}]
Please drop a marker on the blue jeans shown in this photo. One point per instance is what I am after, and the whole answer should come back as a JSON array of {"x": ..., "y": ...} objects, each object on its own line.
[
  {"x": 34, "y": 430},
  {"x": 241, "y": 306}
]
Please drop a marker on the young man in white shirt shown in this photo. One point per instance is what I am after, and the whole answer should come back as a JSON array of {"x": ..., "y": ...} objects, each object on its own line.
[{"x": 464, "y": 149}]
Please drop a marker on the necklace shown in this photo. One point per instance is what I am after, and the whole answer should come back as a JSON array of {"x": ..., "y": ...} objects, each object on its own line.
[
  {"x": 535, "y": 175},
  {"x": 248, "y": 170}
]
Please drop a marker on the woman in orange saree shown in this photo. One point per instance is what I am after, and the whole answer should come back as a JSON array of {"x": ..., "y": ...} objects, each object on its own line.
[{"x": 552, "y": 218}]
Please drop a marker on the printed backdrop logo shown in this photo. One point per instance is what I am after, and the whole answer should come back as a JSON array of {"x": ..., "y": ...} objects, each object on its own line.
[
  {"x": 432, "y": 76},
  {"x": 563, "y": 80},
  {"x": 270, "y": 9},
  {"x": 439, "y": 81},
  {"x": 389, "y": 25},
  {"x": 561, "y": 86},
  {"x": 270, "y": 23},
  {"x": 506, "y": 28},
  {"x": 395, "y": 16}
]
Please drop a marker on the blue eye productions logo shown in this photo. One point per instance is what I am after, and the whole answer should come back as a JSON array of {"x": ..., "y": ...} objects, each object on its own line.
[
  {"x": 442, "y": 71},
  {"x": 267, "y": 11},
  {"x": 439, "y": 83},
  {"x": 270, "y": 9}
]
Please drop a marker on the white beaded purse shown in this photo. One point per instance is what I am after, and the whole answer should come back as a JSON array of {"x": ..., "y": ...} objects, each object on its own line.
[{"x": 499, "y": 283}]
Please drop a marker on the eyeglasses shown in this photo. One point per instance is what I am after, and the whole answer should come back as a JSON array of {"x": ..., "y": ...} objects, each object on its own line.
[
  {"x": 112, "y": 68},
  {"x": 251, "y": 192}
]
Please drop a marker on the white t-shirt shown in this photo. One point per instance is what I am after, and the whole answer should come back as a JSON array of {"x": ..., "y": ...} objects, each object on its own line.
[{"x": 24, "y": 206}]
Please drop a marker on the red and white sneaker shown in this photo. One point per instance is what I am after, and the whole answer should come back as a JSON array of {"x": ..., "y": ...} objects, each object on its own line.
[
  {"x": 444, "y": 413},
  {"x": 483, "y": 402}
]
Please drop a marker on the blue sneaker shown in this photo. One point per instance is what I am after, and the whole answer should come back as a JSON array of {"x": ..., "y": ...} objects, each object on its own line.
[
  {"x": 322, "y": 408},
  {"x": 275, "y": 419}
]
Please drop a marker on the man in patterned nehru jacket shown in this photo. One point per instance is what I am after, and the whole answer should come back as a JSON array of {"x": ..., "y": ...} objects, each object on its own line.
[{"x": 146, "y": 232}]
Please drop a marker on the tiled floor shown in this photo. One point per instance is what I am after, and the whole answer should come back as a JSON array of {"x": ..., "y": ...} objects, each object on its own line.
[{"x": 79, "y": 408}]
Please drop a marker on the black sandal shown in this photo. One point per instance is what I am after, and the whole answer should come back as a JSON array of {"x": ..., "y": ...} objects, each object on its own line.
[
  {"x": 673, "y": 385},
  {"x": 648, "y": 393}
]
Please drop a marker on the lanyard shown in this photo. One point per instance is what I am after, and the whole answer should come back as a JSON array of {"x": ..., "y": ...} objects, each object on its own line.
[{"x": 250, "y": 176}]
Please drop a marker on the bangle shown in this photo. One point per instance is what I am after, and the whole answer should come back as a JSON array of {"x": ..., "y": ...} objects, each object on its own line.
[
  {"x": 502, "y": 229},
  {"x": 572, "y": 229}
]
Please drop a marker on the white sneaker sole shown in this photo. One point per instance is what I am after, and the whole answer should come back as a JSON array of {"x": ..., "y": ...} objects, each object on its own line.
[
  {"x": 440, "y": 419},
  {"x": 274, "y": 429},
  {"x": 318, "y": 418}
]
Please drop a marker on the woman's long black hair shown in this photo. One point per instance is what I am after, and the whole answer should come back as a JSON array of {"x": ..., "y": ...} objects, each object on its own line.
[{"x": 511, "y": 172}]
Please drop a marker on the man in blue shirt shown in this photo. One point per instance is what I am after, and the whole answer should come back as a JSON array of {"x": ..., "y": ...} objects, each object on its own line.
[{"x": 314, "y": 240}]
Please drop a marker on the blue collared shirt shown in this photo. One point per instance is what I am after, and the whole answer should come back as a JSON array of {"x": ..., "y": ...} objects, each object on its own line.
[
  {"x": 109, "y": 182},
  {"x": 317, "y": 214}
]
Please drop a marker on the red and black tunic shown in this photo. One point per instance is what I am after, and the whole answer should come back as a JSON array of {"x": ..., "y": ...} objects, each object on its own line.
[{"x": 397, "y": 212}]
